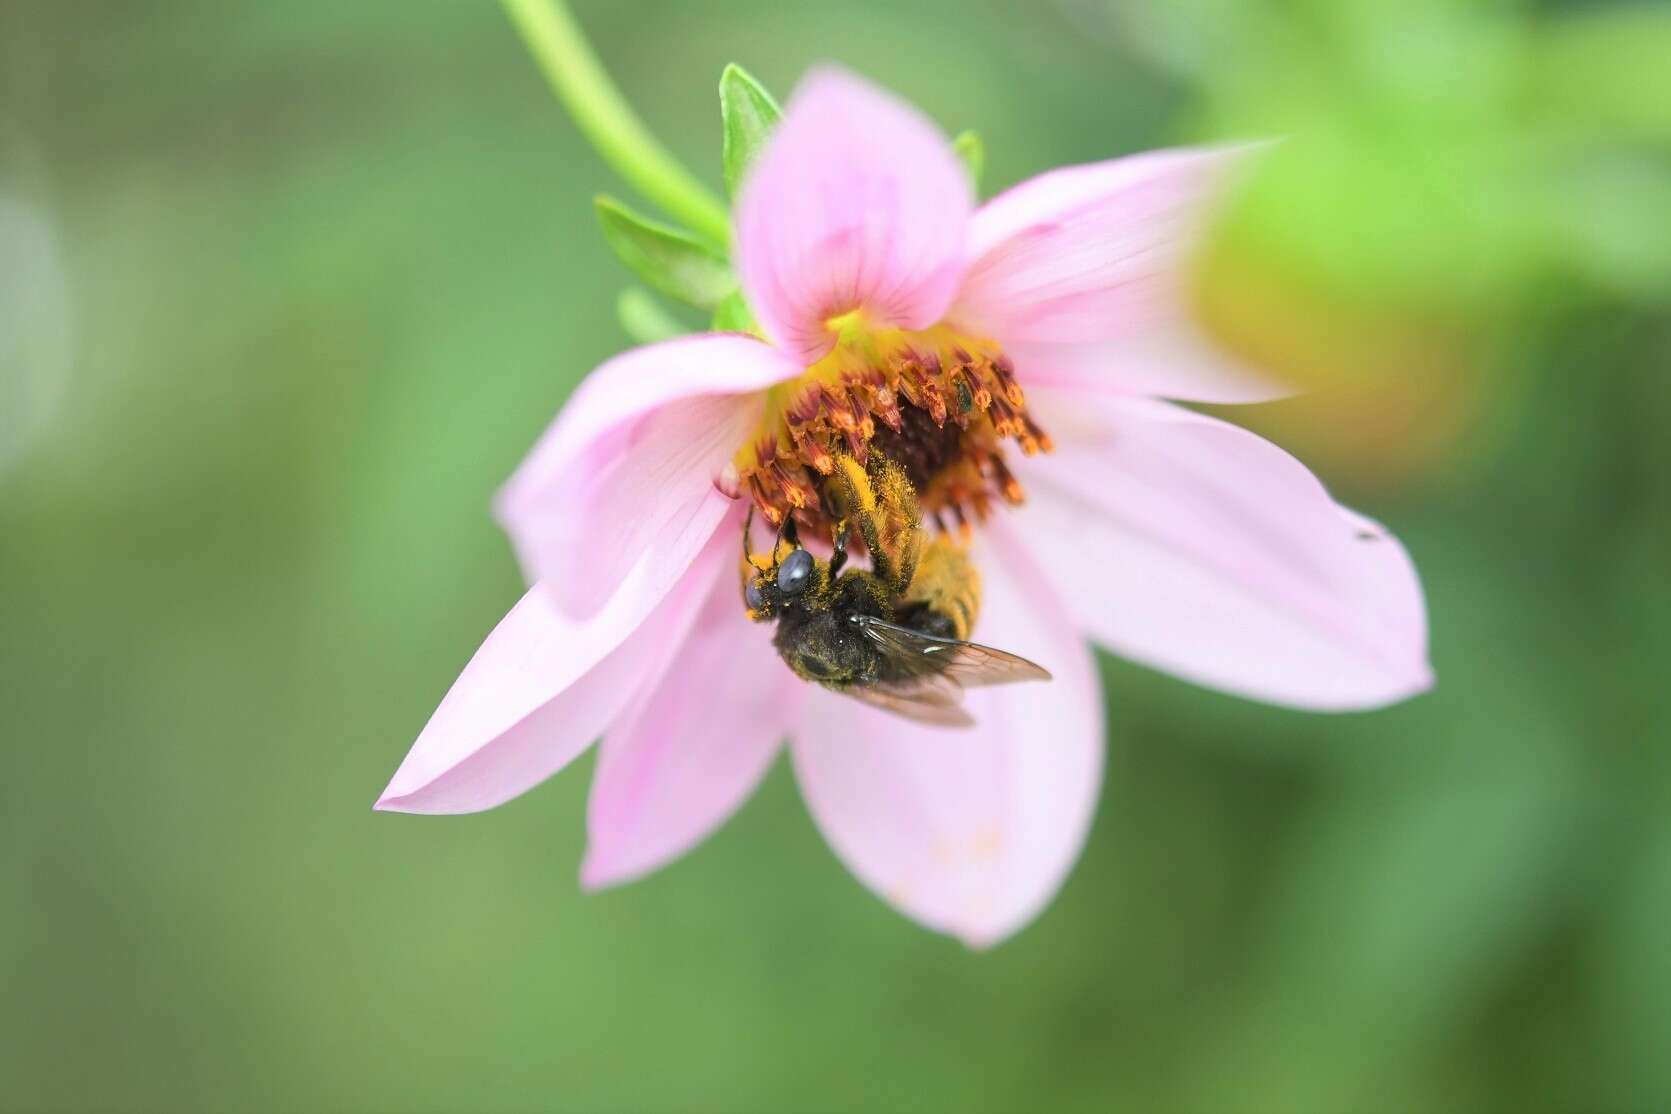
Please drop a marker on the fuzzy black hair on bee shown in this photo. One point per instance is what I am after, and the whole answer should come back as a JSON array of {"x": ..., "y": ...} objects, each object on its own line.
[{"x": 894, "y": 635}]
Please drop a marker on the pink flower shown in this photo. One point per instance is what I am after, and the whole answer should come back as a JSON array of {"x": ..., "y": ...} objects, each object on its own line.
[{"x": 1168, "y": 537}]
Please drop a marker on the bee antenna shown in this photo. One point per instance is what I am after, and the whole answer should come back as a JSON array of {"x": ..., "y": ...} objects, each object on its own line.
[
  {"x": 748, "y": 530},
  {"x": 786, "y": 528}
]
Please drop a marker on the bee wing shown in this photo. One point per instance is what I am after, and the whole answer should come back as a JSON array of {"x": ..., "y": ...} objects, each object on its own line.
[
  {"x": 924, "y": 699},
  {"x": 965, "y": 664}
]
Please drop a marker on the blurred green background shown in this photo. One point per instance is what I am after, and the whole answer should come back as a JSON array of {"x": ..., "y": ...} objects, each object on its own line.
[{"x": 289, "y": 289}]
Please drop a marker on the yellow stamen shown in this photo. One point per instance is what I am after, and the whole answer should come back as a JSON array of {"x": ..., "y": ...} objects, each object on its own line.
[{"x": 938, "y": 402}]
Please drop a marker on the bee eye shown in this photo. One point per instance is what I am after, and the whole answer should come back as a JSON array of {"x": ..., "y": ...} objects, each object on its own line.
[
  {"x": 793, "y": 573},
  {"x": 752, "y": 596}
]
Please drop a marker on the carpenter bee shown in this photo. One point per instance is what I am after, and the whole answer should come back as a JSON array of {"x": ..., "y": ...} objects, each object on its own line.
[{"x": 894, "y": 636}]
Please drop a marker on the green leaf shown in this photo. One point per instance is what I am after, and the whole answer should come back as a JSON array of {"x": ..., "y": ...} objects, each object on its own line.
[
  {"x": 664, "y": 257},
  {"x": 748, "y": 113},
  {"x": 644, "y": 319},
  {"x": 972, "y": 151},
  {"x": 734, "y": 316}
]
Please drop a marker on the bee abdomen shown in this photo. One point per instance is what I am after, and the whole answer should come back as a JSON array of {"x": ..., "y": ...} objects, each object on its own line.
[{"x": 947, "y": 586}]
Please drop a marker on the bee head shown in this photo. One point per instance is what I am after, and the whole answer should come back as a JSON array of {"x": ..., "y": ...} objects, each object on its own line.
[
  {"x": 786, "y": 577},
  {"x": 792, "y": 578}
]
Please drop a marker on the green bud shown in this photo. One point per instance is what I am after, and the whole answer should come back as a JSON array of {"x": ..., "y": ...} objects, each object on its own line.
[{"x": 972, "y": 151}]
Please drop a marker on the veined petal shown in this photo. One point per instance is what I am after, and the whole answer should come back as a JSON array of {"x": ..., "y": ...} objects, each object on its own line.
[
  {"x": 628, "y": 468},
  {"x": 1196, "y": 547},
  {"x": 543, "y": 686},
  {"x": 857, "y": 202},
  {"x": 692, "y": 749},
  {"x": 969, "y": 831},
  {"x": 1082, "y": 274}
]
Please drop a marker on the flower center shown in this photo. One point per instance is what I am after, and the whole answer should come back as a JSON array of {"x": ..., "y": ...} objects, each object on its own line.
[{"x": 939, "y": 403}]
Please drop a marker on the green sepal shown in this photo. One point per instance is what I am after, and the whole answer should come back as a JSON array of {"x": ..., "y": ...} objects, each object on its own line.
[
  {"x": 667, "y": 259},
  {"x": 645, "y": 320},
  {"x": 748, "y": 114},
  {"x": 734, "y": 316},
  {"x": 972, "y": 150}
]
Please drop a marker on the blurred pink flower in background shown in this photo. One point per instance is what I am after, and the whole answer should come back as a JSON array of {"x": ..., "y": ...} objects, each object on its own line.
[{"x": 1170, "y": 538}]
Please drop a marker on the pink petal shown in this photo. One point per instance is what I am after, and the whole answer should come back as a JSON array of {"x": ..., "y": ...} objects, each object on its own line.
[
  {"x": 856, "y": 202},
  {"x": 543, "y": 686},
  {"x": 969, "y": 831},
  {"x": 691, "y": 750},
  {"x": 629, "y": 466},
  {"x": 1195, "y": 547},
  {"x": 1169, "y": 361},
  {"x": 1082, "y": 274}
]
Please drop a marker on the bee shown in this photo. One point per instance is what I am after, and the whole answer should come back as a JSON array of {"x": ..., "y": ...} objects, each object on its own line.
[{"x": 895, "y": 636}]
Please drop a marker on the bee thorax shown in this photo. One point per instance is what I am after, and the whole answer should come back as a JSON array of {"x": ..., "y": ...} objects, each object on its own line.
[{"x": 824, "y": 647}]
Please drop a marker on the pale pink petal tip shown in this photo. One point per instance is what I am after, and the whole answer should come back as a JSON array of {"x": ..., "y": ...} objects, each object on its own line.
[
  {"x": 968, "y": 831},
  {"x": 856, "y": 202},
  {"x": 632, "y": 465},
  {"x": 691, "y": 750},
  {"x": 1196, "y": 547},
  {"x": 543, "y": 686}
]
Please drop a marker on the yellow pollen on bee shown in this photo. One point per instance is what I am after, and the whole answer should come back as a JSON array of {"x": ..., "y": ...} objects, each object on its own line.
[{"x": 941, "y": 403}]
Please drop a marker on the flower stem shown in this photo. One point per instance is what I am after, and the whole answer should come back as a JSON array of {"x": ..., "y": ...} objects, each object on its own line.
[{"x": 556, "y": 41}]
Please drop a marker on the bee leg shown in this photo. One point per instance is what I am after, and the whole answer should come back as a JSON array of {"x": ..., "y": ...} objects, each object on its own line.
[
  {"x": 899, "y": 523},
  {"x": 838, "y": 559},
  {"x": 857, "y": 497},
  {"x": 746, "y": 569}
]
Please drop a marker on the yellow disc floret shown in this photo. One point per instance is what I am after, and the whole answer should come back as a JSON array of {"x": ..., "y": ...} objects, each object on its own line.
[{"x": 939, "y": 403}]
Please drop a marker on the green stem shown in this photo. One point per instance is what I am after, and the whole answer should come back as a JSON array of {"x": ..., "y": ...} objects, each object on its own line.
[{"x": 555, "y": 40}]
